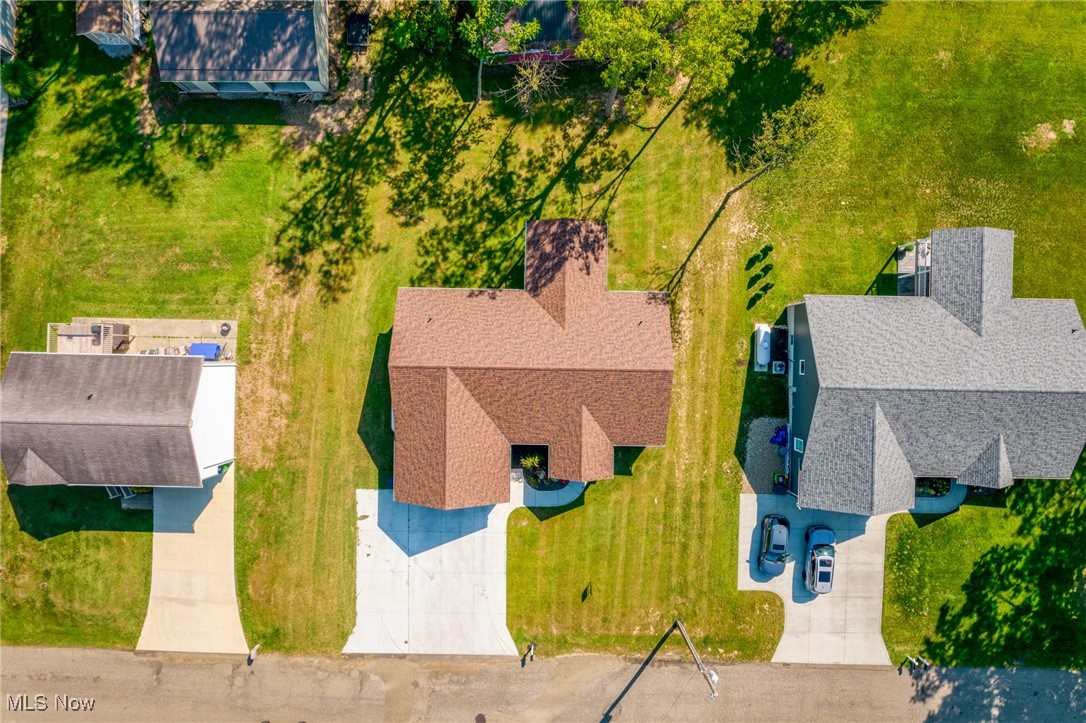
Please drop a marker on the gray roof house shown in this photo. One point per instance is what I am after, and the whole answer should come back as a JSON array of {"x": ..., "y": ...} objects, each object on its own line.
[
  {"x": 7, "y": 29},
  {"x": 113, "y": 25},
  {"x": 114, "y": 419},
  {"x": 961, "y": 380},
  {"x": 258, "y": 47}
]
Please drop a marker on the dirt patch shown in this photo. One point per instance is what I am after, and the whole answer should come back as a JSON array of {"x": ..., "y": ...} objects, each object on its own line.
[
  {"x": 308, "y": 122},
  {"x": 1045, "y": 135},
  {"x": 263, "y": 398},
  {"x": 763, "y": 459},
  {"x": 139, "y": 74}
]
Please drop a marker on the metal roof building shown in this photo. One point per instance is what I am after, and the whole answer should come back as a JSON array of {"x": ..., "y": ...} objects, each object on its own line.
[{"x": 242, "y": 49}]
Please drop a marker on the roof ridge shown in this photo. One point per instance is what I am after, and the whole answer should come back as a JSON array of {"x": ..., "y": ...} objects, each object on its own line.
[
  {"x": 498, "y": 367},
  {"x": 93, "y": 424},
  {"x": 978, "y": 390}
]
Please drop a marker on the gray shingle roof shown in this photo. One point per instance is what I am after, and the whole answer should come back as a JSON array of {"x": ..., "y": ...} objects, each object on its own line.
[
  {"x": 235, "y": 45},
  {"x": 989, "y": 390},
  {"x": 972, "y": 272},
  {"x": 99, "y": 419}
]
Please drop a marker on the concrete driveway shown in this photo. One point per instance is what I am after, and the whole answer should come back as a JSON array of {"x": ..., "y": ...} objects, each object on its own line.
[
  {"x": 844, "y": 626},
  {"x": 431, "y": 581},
  {"x": 193, "y": 606}
]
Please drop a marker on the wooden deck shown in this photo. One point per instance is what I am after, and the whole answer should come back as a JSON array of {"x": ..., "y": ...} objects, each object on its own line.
[{"x": 913, "y": 265}]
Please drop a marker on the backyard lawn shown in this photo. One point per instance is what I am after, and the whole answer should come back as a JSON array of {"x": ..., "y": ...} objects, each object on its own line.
[
  {"x": 98, "y": 219},
  {"x": 929, "y": 116}
]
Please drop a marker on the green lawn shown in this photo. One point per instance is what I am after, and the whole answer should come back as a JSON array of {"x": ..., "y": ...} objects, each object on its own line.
[
  {"x": 98, "y": 219},
  {"x": 928, "y": 560},
  {"x": 921, "y": 111},
  {"x": 992, "y": 584}
]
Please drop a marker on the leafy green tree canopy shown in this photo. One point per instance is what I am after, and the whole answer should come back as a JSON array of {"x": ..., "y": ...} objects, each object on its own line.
[
  {"x": 646, "y": 45},
  {"x": 426, "y": 26},
  {"x": 487, "y": 25}
]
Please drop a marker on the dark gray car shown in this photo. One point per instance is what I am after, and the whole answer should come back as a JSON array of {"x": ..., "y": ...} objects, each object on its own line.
[{"x": 774, "y": 552}]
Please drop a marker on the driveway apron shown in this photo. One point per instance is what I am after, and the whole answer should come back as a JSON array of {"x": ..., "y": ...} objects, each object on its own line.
[
  {"x": 432, "y": 581},
  {"x": 843, "y": 626},
  {"x": 193, "y": 606}
]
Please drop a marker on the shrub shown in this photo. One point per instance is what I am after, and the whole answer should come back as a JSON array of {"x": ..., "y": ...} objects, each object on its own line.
[{"x": 19, "y": 79}]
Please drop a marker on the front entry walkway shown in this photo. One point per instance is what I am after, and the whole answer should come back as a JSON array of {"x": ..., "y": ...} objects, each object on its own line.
[
  {"x": 193, "y": 606},
  {"x": 433, "y": 581}
]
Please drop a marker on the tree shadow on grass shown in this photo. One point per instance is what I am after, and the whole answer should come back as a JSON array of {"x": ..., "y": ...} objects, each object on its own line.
[
  {"x": 413, "y": 136},
  {"x": 765, "y": 82},
  {"x": 1024, "y": 600},
  {"x": 206, "y": 130},
  {"x": 479, "y": 240},
  {"x": 375, "y": 419},
  {"x": 105, "y": 114},
  {"x": 52, "y": 510}
]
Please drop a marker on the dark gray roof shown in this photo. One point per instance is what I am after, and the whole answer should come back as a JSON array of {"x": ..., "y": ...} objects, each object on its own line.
[
  {"x": 988, "y": 407},
  {"x": 91, "y": 419},
  {"x": 555, "y": 20},
  {"x": 235, "y": 45}
]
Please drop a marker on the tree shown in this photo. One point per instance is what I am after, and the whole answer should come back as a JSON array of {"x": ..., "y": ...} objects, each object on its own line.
[
  {"x": 426, "y": 26},
  {"x": 488, "y": 25},
  {"x": 535, "y": 80},
  {"x": 646, "y": 45}
]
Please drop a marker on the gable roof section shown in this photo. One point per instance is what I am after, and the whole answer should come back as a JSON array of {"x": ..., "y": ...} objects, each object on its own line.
[
  {"x": 99, "y": 419},
  {"x": 991, "y": 468},
  {"x": 563, "y": 362},
  {"x": 235, "y": 45},
  {"x": 103, "y": 16},
  {"x": 972, "y": 273},
  {"x": 989, "y": 390}
]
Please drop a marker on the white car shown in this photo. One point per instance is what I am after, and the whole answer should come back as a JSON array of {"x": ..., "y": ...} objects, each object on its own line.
[{"x": 818, "y": 569}]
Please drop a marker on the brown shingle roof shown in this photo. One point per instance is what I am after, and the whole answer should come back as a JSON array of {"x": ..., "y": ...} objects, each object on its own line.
[
  {"x": 103, "y": 16},
  {"x": 564, "y": 362}
]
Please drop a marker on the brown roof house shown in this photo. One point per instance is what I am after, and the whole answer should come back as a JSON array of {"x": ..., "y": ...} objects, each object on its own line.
[
  {"x": 113, "y": 25},
  {"x": 115, "y": 419},
  {"x": 564, "y": 363}
]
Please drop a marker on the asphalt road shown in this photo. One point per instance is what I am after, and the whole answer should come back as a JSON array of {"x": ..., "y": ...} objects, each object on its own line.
[{"x": 168, "y": 687}]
